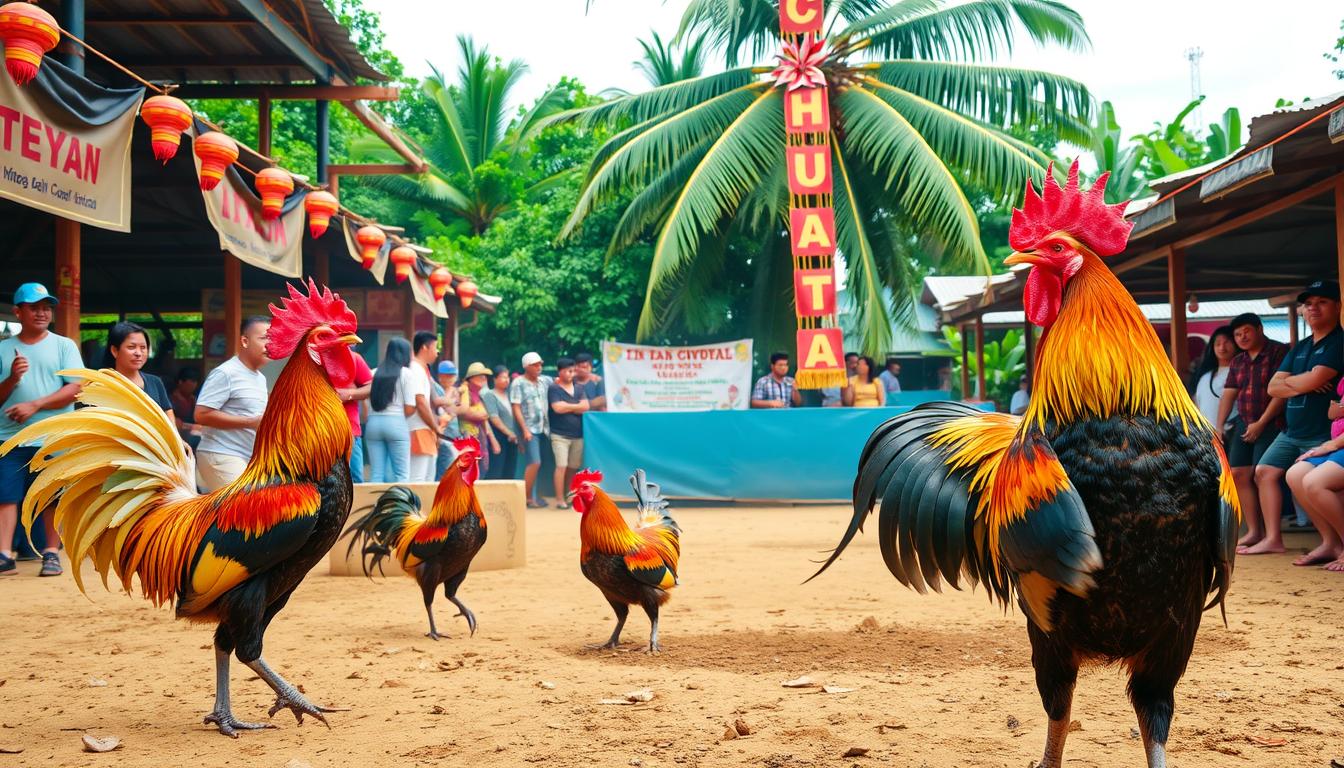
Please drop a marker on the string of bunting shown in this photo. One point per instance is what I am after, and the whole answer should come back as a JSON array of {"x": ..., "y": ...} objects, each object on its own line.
[
  {"x": 29, "y": 33},
  {"x": 807, "y": 156}
]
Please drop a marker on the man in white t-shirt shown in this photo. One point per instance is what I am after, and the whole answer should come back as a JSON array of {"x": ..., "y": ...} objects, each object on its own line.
[
  {"x": 229, "y": 408},
  {"x": 422, "y": 423}
]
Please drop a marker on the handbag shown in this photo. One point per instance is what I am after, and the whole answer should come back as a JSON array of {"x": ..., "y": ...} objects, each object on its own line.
[{"x": 424, "y": 443}]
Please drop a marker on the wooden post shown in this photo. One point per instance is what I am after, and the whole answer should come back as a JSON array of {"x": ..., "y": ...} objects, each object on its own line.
[
  {"x": 1029, "y": 332},
  {"x": 233, "y": 301},
  {"x": 264, "y": 125},
  {"x": 321, "y": 265},
  {"x": 67, "y": 278},
  {"x": 408, "y": 314},
  {"x": 450, "y": 326},
  {"x": 1292, "y": 324},
  {"x": 1180, "y": 348},
  {"x": 1339, "y": 223},
  {"x": 965, "y": 364},
  {"x": 980, "y": 358}
]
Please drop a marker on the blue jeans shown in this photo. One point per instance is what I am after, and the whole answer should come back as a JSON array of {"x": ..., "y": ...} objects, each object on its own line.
[
  {"x": 357, "y": 460},
  {"x": 389, "y": 445}
]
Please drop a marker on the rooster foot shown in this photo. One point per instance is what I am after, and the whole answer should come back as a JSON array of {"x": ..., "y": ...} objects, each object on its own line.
[
  {"x": 434, "y": 635},
  {"x": 607, "y": 646},
  {"x": 296, "y": 702},
  {"x": 471, "y": 619},
  {"x": 655, "y": 649},
  {"x": 230, "y": 726}
]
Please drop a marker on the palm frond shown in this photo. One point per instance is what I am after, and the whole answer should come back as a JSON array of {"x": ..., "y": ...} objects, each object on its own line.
[
  {"x": 452, "y": 142},
  {"x": 978, "y": 30},
  {"x": 659, "y": 101},
  {"x": 649, "y": 207},
  {"x": 863, "y": 282}
]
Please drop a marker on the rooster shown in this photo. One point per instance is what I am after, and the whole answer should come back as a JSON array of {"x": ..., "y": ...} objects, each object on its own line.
[
  {"x": 1107, "y": 509},
  {"x": 124, "y": 495},
  {"x": 631, "y": 567},
  {"x": 434, "y": 550}
]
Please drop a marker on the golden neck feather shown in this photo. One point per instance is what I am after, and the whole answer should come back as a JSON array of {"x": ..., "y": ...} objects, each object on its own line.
[
  {"x": 305, "y": 430},
  {"x": 604, "y": 528},
  {"x": 453, "y": 499},
  {"x": 1102, "y": 358}
]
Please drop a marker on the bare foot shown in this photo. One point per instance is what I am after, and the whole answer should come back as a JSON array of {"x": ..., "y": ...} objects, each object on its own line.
[
  {"x": 1335, "y": 567},
  {"x": 1318, "y": 556},
  {"x": 1265, "y": 547},
  {"x": 1250, "y": 539}
]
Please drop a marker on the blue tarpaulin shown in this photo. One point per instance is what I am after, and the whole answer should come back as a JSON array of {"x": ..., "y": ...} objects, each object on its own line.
[{"x": 795, "y": 454}]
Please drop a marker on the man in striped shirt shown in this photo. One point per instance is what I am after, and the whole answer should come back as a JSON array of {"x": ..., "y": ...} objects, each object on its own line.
[{"x": 776, "y": 389}]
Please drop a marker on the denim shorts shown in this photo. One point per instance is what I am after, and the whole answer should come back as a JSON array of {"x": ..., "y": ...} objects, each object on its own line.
[
  {"x": 15, "y": 479},
  {"x": 1284, "y": 451},
  {"x": 1337, "y": 457},
  {"x": 532, "y": 450}
]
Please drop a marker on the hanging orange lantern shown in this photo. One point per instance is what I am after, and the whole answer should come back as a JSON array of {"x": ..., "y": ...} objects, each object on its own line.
[
  {"x": 466, "y": 291},
  {"x": 439, "y": 280},
  {"x": 370, "y": 239},
  {"x": 274, "y": 185},
  {"x": 167, "y": 117},
  {"x": 403, "y": 258},
  {"x": 321, "y": 206},
  {"x": 28, "y": 32},
  {"x": 216, "y": 152}
]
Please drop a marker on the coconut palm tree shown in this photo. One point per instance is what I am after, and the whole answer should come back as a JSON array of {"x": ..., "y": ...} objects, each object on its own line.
[
  {"x": 473, "y": 151},
  {"x": 662, "y": 64},
  {"x": 912, "y": 121}
]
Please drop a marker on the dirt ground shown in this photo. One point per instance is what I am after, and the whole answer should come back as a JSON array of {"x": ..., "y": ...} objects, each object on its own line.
[{"x": 942, "y": 680}]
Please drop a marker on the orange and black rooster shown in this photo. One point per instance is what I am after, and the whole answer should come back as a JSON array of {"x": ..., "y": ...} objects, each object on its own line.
[
  {"x": 1107, "y": 509},
  {"x": 631, "y": 567},
  {"x": 437, "y": 549},
  {"x": 124, "y": 493}
]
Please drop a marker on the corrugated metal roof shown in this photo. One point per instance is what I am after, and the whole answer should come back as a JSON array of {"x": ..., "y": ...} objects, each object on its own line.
[{"x": 1161, "y": 313}]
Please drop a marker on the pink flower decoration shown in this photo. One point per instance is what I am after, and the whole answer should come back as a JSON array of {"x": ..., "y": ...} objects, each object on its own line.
[{"x": 800, "y": 64}]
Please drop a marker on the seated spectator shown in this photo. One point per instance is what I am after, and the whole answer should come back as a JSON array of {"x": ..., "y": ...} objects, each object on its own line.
[
  {"x": 865, "y": 391},
  {"x": 834, "y": 397},
  {"x": 1309, "y": 372},
  {"x": 776, "y": 389},
  {"x": 891, "y": 376},
  {"x": 1317, "y": 480},
  {"x": 1021, "y": 398}
]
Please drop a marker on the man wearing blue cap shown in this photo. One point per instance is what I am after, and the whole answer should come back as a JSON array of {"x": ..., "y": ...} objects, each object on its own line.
[
  {"x": 446, "y": 400},
  {"x": 30, "y": 391}
]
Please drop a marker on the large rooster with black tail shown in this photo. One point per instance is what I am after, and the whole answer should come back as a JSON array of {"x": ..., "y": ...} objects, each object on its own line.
[
  {"x": 1107, "y": 509},
  {"x": 434, "y": 549},
  {"x": 125, "y": 495}
]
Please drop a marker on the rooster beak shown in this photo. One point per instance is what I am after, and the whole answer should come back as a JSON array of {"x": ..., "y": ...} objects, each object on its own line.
[
  {"x": 351, "y": 339},
  {"x": 1024, "y": 257}
]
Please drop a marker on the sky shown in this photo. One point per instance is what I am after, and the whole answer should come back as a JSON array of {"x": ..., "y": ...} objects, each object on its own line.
[{"x": 1137, "y": 60}]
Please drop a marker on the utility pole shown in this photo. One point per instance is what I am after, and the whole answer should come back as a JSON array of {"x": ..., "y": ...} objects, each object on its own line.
[{"x": 1193, "y": 55}]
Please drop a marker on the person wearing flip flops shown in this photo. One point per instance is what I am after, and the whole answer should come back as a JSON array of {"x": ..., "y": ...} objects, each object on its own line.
[{"x": 30, "y": 391}]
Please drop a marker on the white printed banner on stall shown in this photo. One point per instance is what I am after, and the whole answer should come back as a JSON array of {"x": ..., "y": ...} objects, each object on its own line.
[
  {"x": 71, "y": 158},
  {"x": 712, "y": 377}
]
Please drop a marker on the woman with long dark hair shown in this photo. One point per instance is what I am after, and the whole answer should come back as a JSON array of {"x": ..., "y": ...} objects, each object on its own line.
[
  {"x": 1211, "y": 373},
  {"x": 127, "y": 352},
  {"x": 386, "y": 437},
  {"x": 864, "y": 390}
]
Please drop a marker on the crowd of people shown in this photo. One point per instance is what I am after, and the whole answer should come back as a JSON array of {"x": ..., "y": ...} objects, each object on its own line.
[{"x": 865, "y": 388}]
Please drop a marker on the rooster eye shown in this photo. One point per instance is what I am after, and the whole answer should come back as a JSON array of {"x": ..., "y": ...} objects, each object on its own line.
[{"x": 1057, "y": 248}]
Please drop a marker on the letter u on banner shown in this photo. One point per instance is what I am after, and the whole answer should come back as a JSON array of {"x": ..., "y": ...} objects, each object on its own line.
[
  {"x": 798, "y": 17},
  {"x": 809, "y": 169}
]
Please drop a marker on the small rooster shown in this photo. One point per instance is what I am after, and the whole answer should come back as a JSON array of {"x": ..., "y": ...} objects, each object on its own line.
[
  {"x": 434, "y": 550},
  {"x": 125, "y": 495},
  {"x": 1107, "y": 509},
  {"x": 631, "y": 567}
]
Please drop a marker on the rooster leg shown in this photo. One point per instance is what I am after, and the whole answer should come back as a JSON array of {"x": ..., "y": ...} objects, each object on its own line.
[
  {"x": 286, "y": 695},
  {"x": 222, "y": 715},
  {"x": 1056, "y": 674},
  {"x": 652, "y": 610},
  {"x": 427, "y": 589},
  {"x": 1152, "y": 693},
  {"x": 450, "y": 592},
  {"x": 622, "y": 613}
]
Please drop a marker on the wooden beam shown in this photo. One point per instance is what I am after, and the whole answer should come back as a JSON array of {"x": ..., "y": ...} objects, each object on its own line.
[
  {"x": 408, "y": 314},
  {"x": 965, "y": 364},
  {"x": 980, "y": 357},
  {"x": 1157, "y": 254},
  {"x": 1176, "y": 297},
  {"x": 290, "y": 92},
  {"x": 1282, "y": 204},
  {"x": 188, "y": 63},
  {"x": 291, "y": 40},
  {"x": 169, "y": 21},
  {"x": 374, "y": 123},
  {"x": 450, "y": 332},
  {"x": 67, "y": 278},
  {"x": 1292, "y": 323},
  {"x": 370, "y": 169},
  {"x": 233, "y": 301}
]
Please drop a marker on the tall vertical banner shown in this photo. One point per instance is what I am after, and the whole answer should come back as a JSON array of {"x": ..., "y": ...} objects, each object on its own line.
[{"x": 807, "y": 156}]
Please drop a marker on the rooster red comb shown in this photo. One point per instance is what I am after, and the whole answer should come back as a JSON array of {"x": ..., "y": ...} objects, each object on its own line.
[
  {"x": 584, "y": 477},
  {"x": 301, "y": 314},
  {"x": 1084, "y": 215},
  {"x": 467, "y": 444}
]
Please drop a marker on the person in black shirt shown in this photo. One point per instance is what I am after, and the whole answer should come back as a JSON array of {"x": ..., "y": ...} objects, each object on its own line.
[
  {"x": 568, "y": 403},
  {"x": 127, "y": 352},
  {"x": 1307, "y": 380}
]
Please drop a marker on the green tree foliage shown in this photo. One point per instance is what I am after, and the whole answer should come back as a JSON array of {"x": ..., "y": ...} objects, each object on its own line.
[
  {"x": 663, "y": 64},
  {"x": 1005, "y": 365}
]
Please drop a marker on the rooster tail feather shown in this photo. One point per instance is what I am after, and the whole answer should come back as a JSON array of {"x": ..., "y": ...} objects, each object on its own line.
[
  {"x": 650, "y": 503},
  {"x": 378, "y": 532},
  {"x": 103, "y": 471}
]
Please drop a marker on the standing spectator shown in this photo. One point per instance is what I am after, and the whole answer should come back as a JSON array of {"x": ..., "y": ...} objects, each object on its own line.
[
  {"x": 445, "y": 399},
  {"x": 505, "y": 427},
  {"x": 1306, "y": 379},
  {"x": 568, "y": 403},
  {"x": 30, "y": 391},
  {"x": 423, "y": 424},
  {"x": 184, "y": 405},
  {"x": 229, "y": 409},
  {"x": 592, "y": 385},
  {"x": 1258, "y": 419},
  {"x": 528, "y": 398},
  {"x": 891, "y": 376},
  {"x": 1317, "y": 481},
  {"x": 127, "y": 352},
  {"x": 865, "y": 391},
  {"x": 391, "y": 403},
  {"x": 1210, "y": 375},
  {"x": 474, "y": 418},
  {"x": 834, "y": 397},
  {"x": 1022, "y": 397},
  {"x": 352, "y": 393},
  {"x": 776, "y": 389}
]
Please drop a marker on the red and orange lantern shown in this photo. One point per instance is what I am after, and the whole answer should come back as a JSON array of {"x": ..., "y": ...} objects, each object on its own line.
[
  {"x": 466, "y": 291},
  {"x": 321, "y": 206},
  {"x": 370, "y": 239},
  {"x": 403, "y": 258},
  {"x": 28, "y": 33},
  {"x": 167, "y": 117},
  {"x": 274, "y": 185},
  {"x": 439, "y": 279},
  {"x": 216, "y": 152}
]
